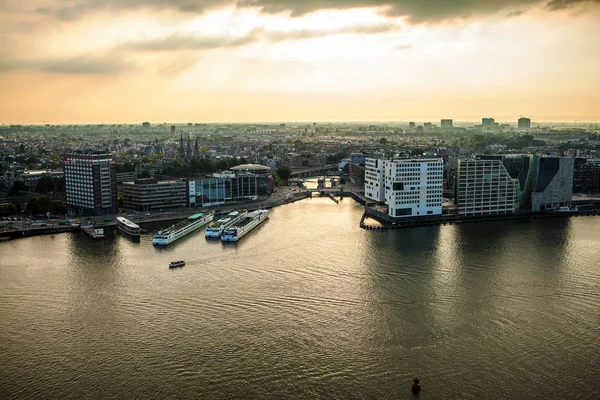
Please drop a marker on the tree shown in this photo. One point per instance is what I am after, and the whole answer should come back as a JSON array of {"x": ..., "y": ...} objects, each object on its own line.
[
  {"x": 17, "y": 186},
  {"x": 11, "y": 209},
  {"x": 46, "y": 184},
  {"x": 284, "y": 172}
]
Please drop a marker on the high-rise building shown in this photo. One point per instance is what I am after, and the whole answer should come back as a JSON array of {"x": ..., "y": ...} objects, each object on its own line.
[
  {"x": 409, "y": 187},
  {"x": 484, "y": 187},
  {"x": 90, "y": 183},
  {"x": 411, "y": 125},
  {"x": 145, "y": 124},
  {"x": 427, "y": 125},
  {"x": 553, "y": 185},
  {"x": 447, "y": 123},
  {"x": 540, "y": 183},
  {"x": 488, "y": 122},
  {"x": 173, "y": 130},
  {"x": 524, "y": 123}
]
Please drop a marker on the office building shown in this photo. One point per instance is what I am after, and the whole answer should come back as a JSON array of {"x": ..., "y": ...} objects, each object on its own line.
[
  {"x": 411, "y": 125},
  {"x": 524, "y": 123},
  {"x": 447, "y": 123},
  {"x": 484, "y": 187},
  {"x": 90, "y": 183},
  {"x": 553, "y": 186},
  {"x": 360, "y": 158},
  {"x": 151, "y": 194},
  {"x": 427, "y": 125},
  {"x": 409, "y": 187},
  {"x": 586, "y": 176},
  {"x": 145, "y": 124},
  {"x": 225, "y": 187},
  {"x": 487, "y": 122}
]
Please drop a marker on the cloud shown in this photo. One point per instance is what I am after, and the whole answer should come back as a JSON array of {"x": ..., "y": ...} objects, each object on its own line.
[
  {"x": 414, "y": 10},
  {"x": 188, "y": 42},
  {"x": 371, "y": 29},
  {"x": 76, "y": 9},
  {"x": 515, "y": 13},
  {"x": 82, "y": 64},
  {"x": 403, "y": 47},
  {"x": 198, "y": 42},
  {"x": 555, "y": 5}
]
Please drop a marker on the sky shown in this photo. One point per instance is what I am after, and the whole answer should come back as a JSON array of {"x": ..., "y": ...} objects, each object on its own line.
[{"x": 126, "y": 61}]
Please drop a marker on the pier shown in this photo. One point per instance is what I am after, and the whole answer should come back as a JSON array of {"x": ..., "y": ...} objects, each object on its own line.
[{"x": 94, "y": 233}]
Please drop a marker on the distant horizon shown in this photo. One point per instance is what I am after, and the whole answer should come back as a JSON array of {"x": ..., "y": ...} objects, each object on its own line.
[{"x": 417, "y": 120}]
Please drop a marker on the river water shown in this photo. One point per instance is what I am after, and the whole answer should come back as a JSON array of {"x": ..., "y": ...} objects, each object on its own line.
[{"x": 307, "y": 306}]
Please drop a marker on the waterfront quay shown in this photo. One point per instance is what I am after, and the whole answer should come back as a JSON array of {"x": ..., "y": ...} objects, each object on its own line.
[{"x": 385, "y": 222}]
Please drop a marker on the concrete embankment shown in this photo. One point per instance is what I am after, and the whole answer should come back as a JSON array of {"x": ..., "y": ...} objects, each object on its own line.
[{"x": 387, "y": 223}]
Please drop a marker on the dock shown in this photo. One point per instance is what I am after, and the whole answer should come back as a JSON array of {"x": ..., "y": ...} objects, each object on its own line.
[{"x": 94, "y": 233}]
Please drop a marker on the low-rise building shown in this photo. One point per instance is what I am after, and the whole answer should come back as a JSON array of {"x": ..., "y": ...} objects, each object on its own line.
[
  {"x": 226, "y": 187},
  {"x": 586, "y": 176},
  {"x": 151, "y": 194}
]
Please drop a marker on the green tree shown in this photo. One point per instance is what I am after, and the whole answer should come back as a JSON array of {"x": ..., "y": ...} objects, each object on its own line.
[
  {"x": 11, "y": 209},
  {"x": 16, "y": 188},
  {"x": 284, "y": 172},
  {"x": 46, "y": 184}
]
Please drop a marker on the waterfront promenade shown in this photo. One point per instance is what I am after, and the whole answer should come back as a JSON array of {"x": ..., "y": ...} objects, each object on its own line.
[{"x": 25, "y": 228}]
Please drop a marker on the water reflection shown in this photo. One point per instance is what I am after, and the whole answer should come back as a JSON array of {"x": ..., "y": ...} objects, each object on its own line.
[{"x": 307, "y": 305}]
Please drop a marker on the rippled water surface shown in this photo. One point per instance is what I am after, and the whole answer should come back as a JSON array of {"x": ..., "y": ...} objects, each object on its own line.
[{"x": 307, "y": 306}]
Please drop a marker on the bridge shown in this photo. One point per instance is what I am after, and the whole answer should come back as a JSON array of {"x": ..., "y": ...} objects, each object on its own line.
[{"x": 314, "y": 171}]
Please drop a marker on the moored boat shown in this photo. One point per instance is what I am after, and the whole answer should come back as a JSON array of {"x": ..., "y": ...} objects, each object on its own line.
[
  {"x": 128, "y": 227},
  {"x": 175, "y": 264},
  {"x": 245, "y": 225},
  {"x": 179, "y": 230},
  {"x": 216, "y": 228}
]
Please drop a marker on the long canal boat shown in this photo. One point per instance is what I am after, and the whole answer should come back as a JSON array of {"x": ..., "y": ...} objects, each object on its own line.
[
  {"x": 179, "y": 230},
  {"x": 245, "y": 225}
]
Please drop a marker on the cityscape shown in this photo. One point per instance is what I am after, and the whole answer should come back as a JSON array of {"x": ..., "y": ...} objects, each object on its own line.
[
  {"x": 400, "y": 172},
  {"x": 274, "y": 199}
]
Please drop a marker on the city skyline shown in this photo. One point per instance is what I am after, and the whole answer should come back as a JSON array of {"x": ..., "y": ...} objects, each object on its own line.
[{"x": 281, "y": 60}]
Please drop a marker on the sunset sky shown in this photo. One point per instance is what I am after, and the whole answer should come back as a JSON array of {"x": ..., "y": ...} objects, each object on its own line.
[{"x": 113, "y": 61}]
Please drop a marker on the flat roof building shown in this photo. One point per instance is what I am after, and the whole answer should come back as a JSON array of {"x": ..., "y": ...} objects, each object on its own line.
[
  {"x": 151, "y": 194},
  {"x": 90, "y": 183},
  {"x": 409, "y": 187}
]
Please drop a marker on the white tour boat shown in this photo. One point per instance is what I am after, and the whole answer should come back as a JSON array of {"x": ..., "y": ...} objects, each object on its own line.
[{"x": 128, "y": 227}]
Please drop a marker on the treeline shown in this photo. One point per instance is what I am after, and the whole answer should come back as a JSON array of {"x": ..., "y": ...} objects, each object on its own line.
[
  {"x": 479, "y": 142},
  {"x": 202, "y": 165},
  {"x": 43, "y": 204}
]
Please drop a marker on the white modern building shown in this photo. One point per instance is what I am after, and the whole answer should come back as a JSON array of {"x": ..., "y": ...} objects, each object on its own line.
[{"x": 409, "y": 187}]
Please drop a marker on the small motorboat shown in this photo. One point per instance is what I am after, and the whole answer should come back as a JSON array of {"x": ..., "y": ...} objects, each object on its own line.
[
  {"x": 415, "y": 385},
  {"x": 175, "y": 264}
]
